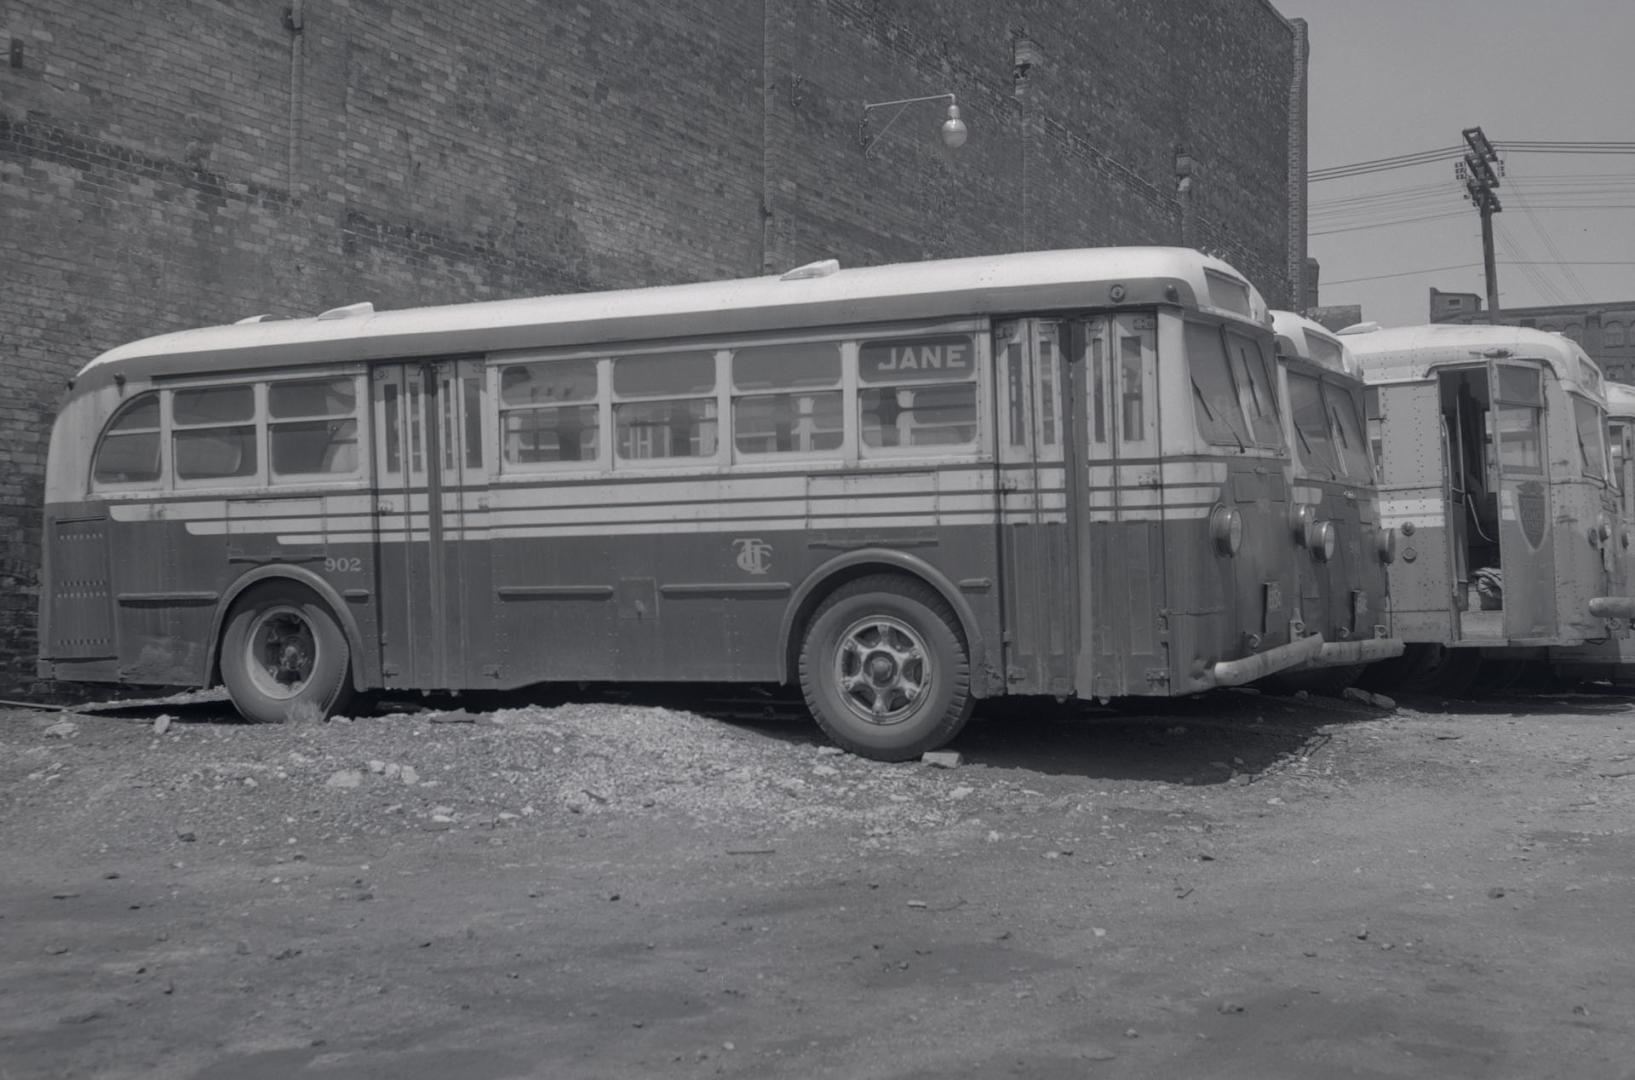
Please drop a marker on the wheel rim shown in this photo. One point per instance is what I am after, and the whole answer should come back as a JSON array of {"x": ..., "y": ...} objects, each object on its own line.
[
  {"x": 280, "y": 652},
  {"x": 883, "y": 669}
]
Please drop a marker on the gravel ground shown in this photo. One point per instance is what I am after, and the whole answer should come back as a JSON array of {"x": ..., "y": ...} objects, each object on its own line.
[{"x": 1240, "y": 885}]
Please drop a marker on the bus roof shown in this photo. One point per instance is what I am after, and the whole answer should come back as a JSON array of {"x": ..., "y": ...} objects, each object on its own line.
[
  {"x": 1620, "y": 400},
  {"x": 1412, "y": 353},
  {"x": 1311, "y": 340},
  {"x": 816, "y": 295}
]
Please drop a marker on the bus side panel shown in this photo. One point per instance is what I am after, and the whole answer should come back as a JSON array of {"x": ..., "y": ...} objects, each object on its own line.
[
  {"x": 1413, "y": 501},
  {"x": 662, "y": 583},
  {"x": 1581, "y": 564},
  {"x": 166, "y": 579}
]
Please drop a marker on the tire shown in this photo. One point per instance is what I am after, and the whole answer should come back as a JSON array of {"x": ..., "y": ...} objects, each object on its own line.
[
  {"x": 884, "y": 669},
  {"x": 284, "y": 657},
  {"x": 1324, "y": 682},
  {"x": 1426, "y": 669}
]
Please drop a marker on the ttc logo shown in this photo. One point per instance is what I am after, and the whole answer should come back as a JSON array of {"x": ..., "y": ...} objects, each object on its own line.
[{"x": 754, "y": 555}]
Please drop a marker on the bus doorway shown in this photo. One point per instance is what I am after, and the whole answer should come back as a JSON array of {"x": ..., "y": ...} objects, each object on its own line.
[
  {"x": 431, "y": 524},
  {"x": 1498, "y": 508},
  {"x": 1123, "y": 621}
]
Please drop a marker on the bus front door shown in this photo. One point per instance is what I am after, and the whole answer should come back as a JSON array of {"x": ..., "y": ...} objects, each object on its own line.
[
  {"x": 431, "y": 525},
  {"x": 1036, "y": 545},
  {"x": 1526, "y": 518},
  {"x": 1126, "y": 649}
]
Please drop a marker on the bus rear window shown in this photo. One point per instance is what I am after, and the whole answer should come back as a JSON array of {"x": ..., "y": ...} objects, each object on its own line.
[
  {"x": 129, "y": 451},
  {"x": 1214, "y": 394}
]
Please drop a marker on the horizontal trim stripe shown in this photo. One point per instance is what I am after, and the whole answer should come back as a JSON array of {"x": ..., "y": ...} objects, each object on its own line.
[
  {"x": 727, "y": 588},
  {"x": 554, "y": 592},
  {"x": 169, "y": 597}
]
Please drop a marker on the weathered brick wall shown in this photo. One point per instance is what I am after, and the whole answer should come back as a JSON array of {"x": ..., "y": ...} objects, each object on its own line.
[{"x": 165, "y": 165}]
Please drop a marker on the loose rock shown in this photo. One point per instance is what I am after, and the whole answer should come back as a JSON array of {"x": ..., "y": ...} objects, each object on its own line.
[
  {"x": 344, "y": 778},
  {"x": 941, "y": 759}
]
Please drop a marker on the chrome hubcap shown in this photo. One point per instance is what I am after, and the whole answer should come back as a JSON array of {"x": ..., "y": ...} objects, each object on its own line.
[{"x": 883, "y": 669}]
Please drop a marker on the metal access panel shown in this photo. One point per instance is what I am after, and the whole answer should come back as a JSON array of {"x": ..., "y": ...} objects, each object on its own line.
[
  {"x": 1036, "y": 508},
  {"x": 81, "y": 611}
]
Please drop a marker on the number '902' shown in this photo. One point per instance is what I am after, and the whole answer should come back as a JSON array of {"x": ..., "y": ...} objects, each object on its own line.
[{"x": 343, "y": 566}]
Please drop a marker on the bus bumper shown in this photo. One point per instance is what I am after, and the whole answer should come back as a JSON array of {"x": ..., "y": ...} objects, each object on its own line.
[
  {"x": 1364, "y": 651},
  {"x": 1612, "y": 607},
  {"x": 1260, "y": 665}
]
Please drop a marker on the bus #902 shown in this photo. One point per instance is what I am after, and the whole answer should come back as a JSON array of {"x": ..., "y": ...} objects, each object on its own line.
[
  {"x": 904, "y": 487},
  {"x": 1495, "y": 474}
]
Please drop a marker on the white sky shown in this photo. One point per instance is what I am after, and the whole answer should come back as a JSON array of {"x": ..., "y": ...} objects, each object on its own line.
[{"x": 1392, "y": 77}]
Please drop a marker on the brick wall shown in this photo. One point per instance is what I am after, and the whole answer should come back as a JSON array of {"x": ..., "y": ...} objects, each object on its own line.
[{"x": 165, "y": 165}]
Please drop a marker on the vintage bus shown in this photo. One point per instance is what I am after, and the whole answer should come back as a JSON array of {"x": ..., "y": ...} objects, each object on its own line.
[
  {"x": 901, "y": 487},
  {"x": 1492, "y": 441},
  {"x": 1334, "y": 513}
]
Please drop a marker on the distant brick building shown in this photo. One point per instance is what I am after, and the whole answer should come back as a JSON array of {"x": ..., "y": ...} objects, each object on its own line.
[
  {"x": 172, "y": 165},
  {"x": 1605, "y": 331}
]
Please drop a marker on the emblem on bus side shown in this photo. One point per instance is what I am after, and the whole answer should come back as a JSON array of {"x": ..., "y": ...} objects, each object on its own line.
[{"x": 754, "y": 555}]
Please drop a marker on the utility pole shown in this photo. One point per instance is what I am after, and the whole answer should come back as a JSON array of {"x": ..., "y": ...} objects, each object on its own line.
[{"x": 1480, "y": 177}]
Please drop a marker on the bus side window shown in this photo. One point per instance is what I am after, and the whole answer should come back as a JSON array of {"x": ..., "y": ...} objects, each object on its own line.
[
  {"x": 129, "y": 450},
  {"x": 214, "y": 433},
  {"x": 1376, "y": 426},
  {"x": 787, "y": 399},
  {"x": 1046, "y": 370},
  {"x": 674, "y": 415},
  {"x": 910, "y": 396},
  {"x": 549, "y": 413},
  {"x": 312, "y": 427}
]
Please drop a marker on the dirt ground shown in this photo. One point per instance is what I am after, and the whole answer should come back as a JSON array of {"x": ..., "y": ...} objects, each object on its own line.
[{"x": 1241, "y": 886}]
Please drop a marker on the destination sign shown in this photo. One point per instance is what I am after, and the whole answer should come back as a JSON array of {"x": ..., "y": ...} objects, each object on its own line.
[{"x": 919, "y": 359}]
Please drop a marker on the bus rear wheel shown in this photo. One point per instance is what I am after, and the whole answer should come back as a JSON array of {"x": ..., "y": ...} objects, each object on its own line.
[
  {"x": 884, "y": 669},
  {"x": 284, "y": 657}
]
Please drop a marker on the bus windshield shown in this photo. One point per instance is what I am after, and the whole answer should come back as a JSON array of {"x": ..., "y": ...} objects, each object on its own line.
[
  {"x": 1591, "y": 454},
  {"x": 1214, "y": 392},
  {"x": 1312, "y": 440}
]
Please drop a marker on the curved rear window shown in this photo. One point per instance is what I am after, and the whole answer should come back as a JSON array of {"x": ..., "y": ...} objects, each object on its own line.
[{"x": 129, "y": 450}]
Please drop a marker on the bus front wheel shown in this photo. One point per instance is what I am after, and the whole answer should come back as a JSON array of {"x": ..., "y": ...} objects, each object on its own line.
[
  {"x": 884, "y": 669},
  {"x": 284, "y": 657}
]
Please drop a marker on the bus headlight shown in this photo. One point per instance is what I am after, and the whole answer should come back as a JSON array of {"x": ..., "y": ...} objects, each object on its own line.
[
  {"x": 1301, "y": 518},
  {"x": 1323, "y": 540},
  {"x": 1388, "y": 546},
  {"x": 1226, "y": 527}
]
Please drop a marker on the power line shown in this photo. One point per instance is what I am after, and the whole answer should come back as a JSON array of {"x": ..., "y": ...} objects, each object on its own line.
[
  {"x": 1426, "y": 157},
  {"x": 1470, "y": 266}
]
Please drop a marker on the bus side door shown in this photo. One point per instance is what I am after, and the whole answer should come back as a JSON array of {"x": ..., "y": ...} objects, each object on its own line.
[
  {"x": 1035, "y": 504},
  {"x": 1417, "y": 499},
  {"x": 431, "y": 523},
  {"x": 1526, "y": 516},
  {"x": 1126, "y": 624}
]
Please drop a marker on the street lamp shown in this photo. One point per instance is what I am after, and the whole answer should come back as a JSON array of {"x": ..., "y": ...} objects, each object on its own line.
[{"x": 953, "y": 128}]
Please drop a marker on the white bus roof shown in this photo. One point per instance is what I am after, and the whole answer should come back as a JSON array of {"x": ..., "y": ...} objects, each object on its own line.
[
  {"x": 1620, "y": 400},
  {"x": 1311, "y": 340},
  {"x": 817, "y": 295},
  {"x": 1412, "y": 353}
]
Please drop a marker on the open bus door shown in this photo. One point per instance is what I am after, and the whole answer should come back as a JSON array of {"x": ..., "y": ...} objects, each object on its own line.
[
  {"x": 1037, "y": 505},
  {"x": 430, "y": 524},
  {"x": 1526, "y": 552},
  {"x": 1420, "y": 497},
  {"x": 1124, "y": 642}
]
